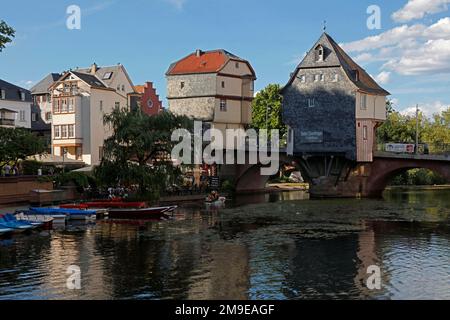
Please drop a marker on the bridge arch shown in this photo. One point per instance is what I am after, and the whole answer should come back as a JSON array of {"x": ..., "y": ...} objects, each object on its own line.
[{"x": 384, "y": 169}]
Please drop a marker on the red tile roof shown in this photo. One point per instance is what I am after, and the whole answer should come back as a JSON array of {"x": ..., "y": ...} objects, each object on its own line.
[
  {"x": 139, "y": 89},
  {"x": 207, "y": 62}
]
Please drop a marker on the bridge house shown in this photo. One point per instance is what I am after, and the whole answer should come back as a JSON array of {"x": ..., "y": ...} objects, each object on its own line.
[{"x": 332, "y": 106}]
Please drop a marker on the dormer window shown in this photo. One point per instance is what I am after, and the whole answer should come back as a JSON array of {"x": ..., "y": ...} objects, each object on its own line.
[
  {"x": 320, "y": 52},
  {"x": 3, "y": 94},
  {"x": 356, "y": 75},
  {"x": 22, "y": 95}
]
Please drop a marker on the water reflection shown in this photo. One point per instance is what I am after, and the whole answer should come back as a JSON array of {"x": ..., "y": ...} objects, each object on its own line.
[{"x": 273, "y": 247}]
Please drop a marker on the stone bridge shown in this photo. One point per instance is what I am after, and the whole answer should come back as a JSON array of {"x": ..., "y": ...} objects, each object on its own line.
[{"x": 335, "y": 177}]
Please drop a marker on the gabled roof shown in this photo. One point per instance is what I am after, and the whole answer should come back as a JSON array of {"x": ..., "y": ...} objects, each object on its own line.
[
  {"x": 42, "y": 87},
  {"x": 12, "y": 92},
  {"x": 102, "y": 71},
  {"x": 338, "y": 57},
  {"x": 90, "y": 79},
  {"x": 204, "y": 62}
]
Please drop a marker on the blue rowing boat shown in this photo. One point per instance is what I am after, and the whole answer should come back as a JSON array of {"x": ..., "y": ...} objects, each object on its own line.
[
  {"x": 73, "y": 214},
  {"x": 14, "y": 225}
]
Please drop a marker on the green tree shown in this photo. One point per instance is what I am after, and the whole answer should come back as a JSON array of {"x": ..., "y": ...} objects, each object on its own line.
[
  {"x": 138, "y": 152},
  {"x": 17, "y": 144},
  {"x": 6, "y": 34},
  {"x": 267, "y": 109}
]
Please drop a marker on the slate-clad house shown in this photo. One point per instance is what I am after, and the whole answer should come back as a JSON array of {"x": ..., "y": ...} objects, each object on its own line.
[{"x": 332, "y": 106}]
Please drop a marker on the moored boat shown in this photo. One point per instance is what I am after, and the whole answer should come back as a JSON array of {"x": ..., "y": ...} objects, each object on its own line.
[
  {"x": 17, "y": 227},
  {"x": 73, "y": 214},
  {"x": 156, "y": 213},
  {"x": 46, "y": 222},
  {"x": 105, "y": 204}
]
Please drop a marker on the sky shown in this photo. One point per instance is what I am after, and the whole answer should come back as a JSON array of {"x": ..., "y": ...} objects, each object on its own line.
[{"x": 408, "y": 53}]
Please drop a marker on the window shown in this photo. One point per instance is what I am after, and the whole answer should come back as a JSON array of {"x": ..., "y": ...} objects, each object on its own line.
[
  {"x": 363, "y": 102},
  {"x": 117, "y": 105},
  {"x": 64, "y": 106},
  {"x": 56, "y": 132},
  {"x": 302, "y": 78},
  {"x": 34, "y": 117},
  {"x": 64, "y": 131},
  {"x": 71, "y": 129},
  {"x": 71, "y": 105},
  {"x": 118, "y": 87},
  {"x": 3, "y": 94},
  {"x": 22, "y": 116},
  {"x": 123, "y": 87},
  {"x": 223, "y": 84},
  {"x": 107, "y": 75},
  {"x": 365, "y": 132},
  {"x": 311, "y": 102},
  {"x": 182, "y": 85},
  {"x": 322, "y": 77},
  {"x": 49, "y": 98},
  {"x": 237, "y": 65},
  {"x": 319, "y": 53},
  {"x": 48, "y": 116},
  {"x": 223, "y": 105},
  {"x": 22, "y": 96},
  {"x": 356, "y": 75},
  {"x": 316, "y": 78},
  {"x": 101, "y": 105},
  {"x": 336, "y": 77}
]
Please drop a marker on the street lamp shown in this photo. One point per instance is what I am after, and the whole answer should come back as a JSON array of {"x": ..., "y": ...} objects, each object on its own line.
[{"x": 417, "y": 129}]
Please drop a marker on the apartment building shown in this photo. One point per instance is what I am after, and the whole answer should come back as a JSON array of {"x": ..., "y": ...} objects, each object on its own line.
[
  {"x": 80, "y": 98},
  {"x": 15, "y": 106}
]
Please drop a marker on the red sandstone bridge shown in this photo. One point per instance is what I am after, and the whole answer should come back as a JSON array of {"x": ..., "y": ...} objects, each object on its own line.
[{"x": 332, "y": 177}]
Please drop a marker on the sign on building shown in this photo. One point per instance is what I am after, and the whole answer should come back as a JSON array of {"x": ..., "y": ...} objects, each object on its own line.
[{"x": 311, "y": 137}]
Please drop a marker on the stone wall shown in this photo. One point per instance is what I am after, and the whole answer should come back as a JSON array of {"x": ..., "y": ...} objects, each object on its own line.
[{"x": 17, "y": 189}]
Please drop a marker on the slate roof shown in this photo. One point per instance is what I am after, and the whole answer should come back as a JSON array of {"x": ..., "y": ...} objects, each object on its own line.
[
  {"x": 90, "y": 79},
  {"x": 101, "y": 71},
  {"x": 42, "y": 87},
  {"x": 12, "y": 92},
  {"x": 338, "y": 57}
]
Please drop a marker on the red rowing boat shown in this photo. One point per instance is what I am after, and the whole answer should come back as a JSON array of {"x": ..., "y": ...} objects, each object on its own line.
[
  {"x": 105, "y": 204},
  {"x": 142, "y": 214}
]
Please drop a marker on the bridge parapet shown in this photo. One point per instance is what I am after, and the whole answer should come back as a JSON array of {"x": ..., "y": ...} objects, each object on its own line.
[{"x": 432, "y": 157}]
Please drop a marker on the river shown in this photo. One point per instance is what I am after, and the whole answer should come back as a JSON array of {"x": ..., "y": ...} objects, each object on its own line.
[{"x": 279, "y": 246}]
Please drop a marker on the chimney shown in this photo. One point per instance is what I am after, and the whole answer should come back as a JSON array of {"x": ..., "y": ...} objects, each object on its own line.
[
  {"x": 94, "y": 68},
  {"x": 198, "y": 52}
]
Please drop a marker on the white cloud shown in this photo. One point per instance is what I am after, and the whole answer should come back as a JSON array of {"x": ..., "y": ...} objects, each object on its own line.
[
  {"x": 429, "y": 109},
  {"x": 27, "y": 84},
  {"x": 383, "y": 77},
  {"x": 178, "y": 4},
  {"x": 408, "y": 50},
  {"x": 418, "y": 9}
]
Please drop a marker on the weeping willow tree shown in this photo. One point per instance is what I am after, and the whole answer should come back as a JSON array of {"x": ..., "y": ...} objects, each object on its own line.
[{"x": 138, "y": 151}]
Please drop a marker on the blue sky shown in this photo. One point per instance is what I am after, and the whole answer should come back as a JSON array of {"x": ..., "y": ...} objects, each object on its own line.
[{"x": 409, "y": 55}]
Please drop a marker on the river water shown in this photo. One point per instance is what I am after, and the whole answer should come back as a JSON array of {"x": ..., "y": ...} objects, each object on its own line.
[{"x": 280, "y": 246}]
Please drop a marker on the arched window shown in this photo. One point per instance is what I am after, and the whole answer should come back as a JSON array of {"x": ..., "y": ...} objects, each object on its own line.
[{"x": 320, "y": 53}]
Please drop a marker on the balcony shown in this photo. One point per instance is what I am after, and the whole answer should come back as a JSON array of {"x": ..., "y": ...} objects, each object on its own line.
[{"x": 7, "y": 122}]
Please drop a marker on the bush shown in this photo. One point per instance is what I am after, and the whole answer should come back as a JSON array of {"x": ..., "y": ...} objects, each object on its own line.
[
  {"x": 78, "y": 179},
  {"x": 31, "y": 167},
  {"x": 228, "y": 187},
  {"x": 417, "y": 177}
]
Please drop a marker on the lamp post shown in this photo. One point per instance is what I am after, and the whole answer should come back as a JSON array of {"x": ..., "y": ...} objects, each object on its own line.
[{"x": 417, "y": 129}]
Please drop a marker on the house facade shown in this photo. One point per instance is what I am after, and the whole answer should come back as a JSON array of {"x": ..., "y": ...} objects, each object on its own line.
[
  {"x": 215, "y": 87},
  {"x": 145, "y": 98},
  {"x": 15, "y": 106},
  {"x": 332, "y": 106},
  {"x": 80, "y": 99}
]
